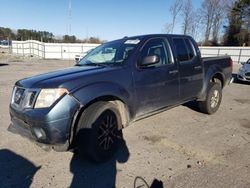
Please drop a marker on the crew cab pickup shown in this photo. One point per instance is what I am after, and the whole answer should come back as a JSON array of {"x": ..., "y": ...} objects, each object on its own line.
[{"x": 85, "y": 107}]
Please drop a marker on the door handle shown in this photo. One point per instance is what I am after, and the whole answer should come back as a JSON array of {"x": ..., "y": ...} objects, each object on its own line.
[
  {"x": 173, "y": 72},
  {"x": 197, "y": 67}
]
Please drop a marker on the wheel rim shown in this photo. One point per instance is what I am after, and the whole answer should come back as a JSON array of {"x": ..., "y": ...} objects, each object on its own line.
[
  {"x": 108, "y": 130},
  {"x": 215, "y": 99}
]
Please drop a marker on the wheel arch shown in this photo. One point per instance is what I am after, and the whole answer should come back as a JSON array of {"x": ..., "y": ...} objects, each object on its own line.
[
  {"x": 121, "y": 105},
  {"x": 214, "y": 74},
  {"x": 218, "y": 78},
  {"x": 123, "y": 108}
]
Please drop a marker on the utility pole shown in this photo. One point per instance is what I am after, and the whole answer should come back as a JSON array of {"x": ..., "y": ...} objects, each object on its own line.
[
  {"x": 69, "y": 26},
  {"x": 69, "y": 18}
]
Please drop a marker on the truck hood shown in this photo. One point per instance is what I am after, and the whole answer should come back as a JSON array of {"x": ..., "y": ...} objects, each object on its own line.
[{"x": 67, "y": 78}]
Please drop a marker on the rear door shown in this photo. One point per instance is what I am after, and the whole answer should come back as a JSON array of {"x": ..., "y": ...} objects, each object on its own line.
[
  {"x": 156, "y": 85},
  {"x": 190, "y": 68}
]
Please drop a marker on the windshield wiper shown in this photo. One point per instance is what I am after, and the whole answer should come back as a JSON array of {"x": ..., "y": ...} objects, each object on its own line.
[
  {"x": 110, "y": 64},
  {"x": 95, "y": 64},
  {"x": 98, "y": 64},
  {"x": 92, "y": 64}
]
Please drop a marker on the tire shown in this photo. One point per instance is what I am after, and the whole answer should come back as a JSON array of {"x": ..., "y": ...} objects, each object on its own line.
[
  {"x": 98, "y": 136},
  {"x": 236, "y": 80},
  {"x": 213, "y": 99}
]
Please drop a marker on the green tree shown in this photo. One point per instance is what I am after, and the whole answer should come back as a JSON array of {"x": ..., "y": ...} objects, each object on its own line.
[
  {"x": 238, "y": 31},
  {"x": 6, "y": 33},
  {"x": 44, "y": 36},
  {"x": 94, "y": 40},
  {"x": 69, "y": 38}
]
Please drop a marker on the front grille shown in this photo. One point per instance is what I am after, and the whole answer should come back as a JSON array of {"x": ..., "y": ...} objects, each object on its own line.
[
  {"x": 29, "y": 99},
  {"x": 24, "y": 98},
  {"x": 32, "y": 98}
]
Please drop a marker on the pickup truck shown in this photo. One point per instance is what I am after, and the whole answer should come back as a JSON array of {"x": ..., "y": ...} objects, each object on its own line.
[{"x": 84, "y": 108}]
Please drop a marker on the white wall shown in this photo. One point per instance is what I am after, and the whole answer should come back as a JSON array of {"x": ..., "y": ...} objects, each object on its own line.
[{"x": 68, "y": 51}]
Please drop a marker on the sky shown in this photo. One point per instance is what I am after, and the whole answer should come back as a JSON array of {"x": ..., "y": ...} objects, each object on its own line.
[{"x": 106, "y": 19}]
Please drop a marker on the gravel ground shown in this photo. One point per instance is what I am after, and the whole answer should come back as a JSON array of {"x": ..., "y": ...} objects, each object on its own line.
[{"x": 180, "y": 147}]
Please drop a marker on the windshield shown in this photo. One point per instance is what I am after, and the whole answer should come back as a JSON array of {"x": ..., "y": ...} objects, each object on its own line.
[
  {"x": 248, "y": 61},
  {"x": 110, "y": 53}
]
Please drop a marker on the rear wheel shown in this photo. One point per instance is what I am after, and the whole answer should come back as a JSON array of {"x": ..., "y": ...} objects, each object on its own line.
[
  {"x": 98, "y": 133},
  {"x": 213, "y": 99}
]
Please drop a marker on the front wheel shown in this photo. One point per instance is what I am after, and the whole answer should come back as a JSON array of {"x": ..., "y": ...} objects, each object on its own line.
[
  {"x": 99, "y": 135},
  {"x": 213, "y": 99}
]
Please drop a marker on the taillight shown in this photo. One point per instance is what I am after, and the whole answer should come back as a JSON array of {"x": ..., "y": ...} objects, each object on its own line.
[{"x": 231, "y": 63}]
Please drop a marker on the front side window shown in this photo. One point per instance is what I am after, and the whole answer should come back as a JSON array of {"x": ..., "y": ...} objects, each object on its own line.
[{"x": 156, "y": 47}]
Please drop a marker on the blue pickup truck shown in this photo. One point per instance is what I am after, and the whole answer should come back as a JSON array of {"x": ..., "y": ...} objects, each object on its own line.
[{"x": 85, "y": 107}]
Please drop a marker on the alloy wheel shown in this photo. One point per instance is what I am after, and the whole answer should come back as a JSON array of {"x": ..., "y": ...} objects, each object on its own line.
[
  {"x": 215, "y": 99},
  {"x": 108, "y": 130}
]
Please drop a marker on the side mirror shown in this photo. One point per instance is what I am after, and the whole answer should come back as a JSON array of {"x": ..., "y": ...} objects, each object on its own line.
[
  {"x": 76, "y": 62},
  {"x": 150, "y": 60},
  {"x": 242, "y": 63}
]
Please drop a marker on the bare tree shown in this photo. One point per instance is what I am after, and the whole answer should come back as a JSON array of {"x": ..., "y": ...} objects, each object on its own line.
[
  {"x": 175, "y": 10},
  {"x": 208, "y": 9},
  {"x": 195, "y": 26},
  {"x": 187, "y": 13},
  {"x": 191, "y": 20},
  {"x": 216, "y": 26},
  {"x": 167, "y": 28},
  {"x": 214, "y": 13},
  {"x": 222, "y": 9}
]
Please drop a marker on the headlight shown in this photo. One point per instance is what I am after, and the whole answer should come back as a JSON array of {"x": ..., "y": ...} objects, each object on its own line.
[
  {"x": 242, "y": 69},
  {"x": 47, "y": 97}
]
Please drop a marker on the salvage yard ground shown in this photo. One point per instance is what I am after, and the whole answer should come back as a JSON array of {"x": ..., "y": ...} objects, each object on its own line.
[{"x": 181, "y": 147}]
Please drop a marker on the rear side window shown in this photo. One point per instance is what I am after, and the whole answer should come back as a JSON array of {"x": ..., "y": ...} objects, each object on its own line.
[
  {"x": 181, "y": 49},
  {"x": 190, "y": 49},
  {"x": 184, "y": 49}
]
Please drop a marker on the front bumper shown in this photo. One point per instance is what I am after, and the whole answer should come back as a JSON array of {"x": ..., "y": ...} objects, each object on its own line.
[
  {"x": 241, "y": 76},
  {"x": 50, "y": 126}
]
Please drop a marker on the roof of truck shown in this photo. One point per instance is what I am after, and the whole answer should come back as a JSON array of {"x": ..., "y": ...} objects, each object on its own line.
[{"x": 156, "y": 35}]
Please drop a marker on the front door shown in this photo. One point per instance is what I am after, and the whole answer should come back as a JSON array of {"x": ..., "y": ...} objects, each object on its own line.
[{"x": 156, "y": 86}]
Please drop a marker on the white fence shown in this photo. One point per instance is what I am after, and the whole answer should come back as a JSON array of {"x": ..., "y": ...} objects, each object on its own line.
[
  {"x": 50, "y": 50},
  {"x": 238, "y": 54},
  {"x": 4, "y": 49},
  {"x": 68, "y": 51}
]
